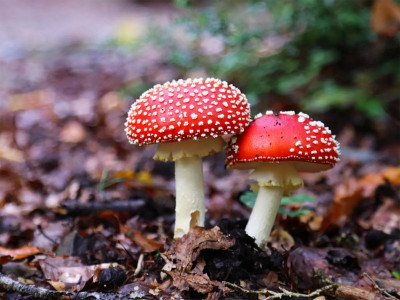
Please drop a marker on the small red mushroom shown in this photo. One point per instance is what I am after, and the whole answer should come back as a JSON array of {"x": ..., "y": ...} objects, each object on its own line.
[
  {"x": 277, "y": 147},
  {"x": 187, "y": 119}
]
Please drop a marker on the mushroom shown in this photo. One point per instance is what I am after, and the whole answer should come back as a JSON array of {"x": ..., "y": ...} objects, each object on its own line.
[
  {"x": 277, "y": 147},
  {"x": 187, "y": 119}
]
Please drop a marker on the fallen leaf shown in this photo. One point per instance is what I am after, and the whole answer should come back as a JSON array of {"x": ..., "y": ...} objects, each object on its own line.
[
  {"x": 385, "y": 19},
  {"x": 281, "y": 240},
  {"x": 308, "y": 266},
  {"x": 145, "y": 177},
  {"x": 200, "y": 283},
  {"x": 188, "y": 247},
  {"x": 348, "y": 194},
  {"x": 313, "y": 221},
  {"x": 147, "y": 245},
  {"x": 71, "y": 271},
  {"x": 30, "y": 100},
  {"x": 57, "y": 285},
  {"x": 19, "y": 253},
  {"x": 188, "y": 272},
  {"x": 73, "y": 132},
  {"x": 11, "y": 154},
  {"x": 110, "y": 101},
  {"x": 124, "y": 174},
  {"x": 5, "y": 259},
  {"x": 387, "y": 217}
]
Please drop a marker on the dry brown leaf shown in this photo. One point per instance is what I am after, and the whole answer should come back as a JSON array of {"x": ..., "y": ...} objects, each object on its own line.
[
  {"x": 5, "y": 259},
  {"x": 348, "y": 194},
  {"x": 313, "y": 221},
  {"x": 147, "y": 245},
  {"x": 385, "y": 19},
  {"x": 73, "y": 132},
  {"x": 30, "y": 100},
  {"x": 19, "y": 253},
  {"x": 110, "y": 101},
  {"x": 188, "y": 247},
  {"x": 57, "y": 285},
  {"x": 11, "y": 154},
  {"x": 200, "y": 283},
  {"x": 281, "y": 240},
  {"x": 186, "y": 251},
  {"x": 387, "y": 217},
  {"x": 71, "y": 271}
]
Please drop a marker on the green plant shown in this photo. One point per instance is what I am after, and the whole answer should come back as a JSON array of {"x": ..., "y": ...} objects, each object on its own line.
[{"x": 249, "y": 198}]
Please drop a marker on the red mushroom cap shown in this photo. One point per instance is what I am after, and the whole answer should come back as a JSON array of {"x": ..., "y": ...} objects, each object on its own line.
[
  {"x": 284, "y": 137},
  {"x": 187, "y": 109}
]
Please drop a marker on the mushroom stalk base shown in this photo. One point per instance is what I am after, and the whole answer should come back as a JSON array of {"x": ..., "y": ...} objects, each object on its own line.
[
  {"x": 190, "y": 210},
  {"x": 263, "y": 214}
]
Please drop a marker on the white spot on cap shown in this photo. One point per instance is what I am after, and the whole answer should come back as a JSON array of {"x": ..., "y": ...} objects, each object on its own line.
[{"x": 291, "y": 113}]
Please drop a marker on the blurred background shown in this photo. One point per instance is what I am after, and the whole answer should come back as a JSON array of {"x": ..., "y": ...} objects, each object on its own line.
[{"x": 69, "y": 70}]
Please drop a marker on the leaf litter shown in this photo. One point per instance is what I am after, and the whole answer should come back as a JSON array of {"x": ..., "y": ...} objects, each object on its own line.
[{"x": 82, "y": 211}]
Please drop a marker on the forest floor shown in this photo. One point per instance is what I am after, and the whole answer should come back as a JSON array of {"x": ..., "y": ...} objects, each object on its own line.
[{"x": 85, "y": 214}]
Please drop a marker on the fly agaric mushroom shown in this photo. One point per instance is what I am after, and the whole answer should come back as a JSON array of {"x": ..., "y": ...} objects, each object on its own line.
[
  {"x": 277, "y": 147},
  {"x": 187, "y": 119}
]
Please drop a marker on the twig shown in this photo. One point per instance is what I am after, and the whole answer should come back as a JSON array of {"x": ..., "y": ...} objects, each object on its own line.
[
  {"x": 139, "y": 265},
  {"x": 276, "y": 295},
  {"x": 381, "y": 290},
  {"x": 39, "y": 227},
  {"x": 9, "y": 285},
  {"x": 76, "y": 208}
]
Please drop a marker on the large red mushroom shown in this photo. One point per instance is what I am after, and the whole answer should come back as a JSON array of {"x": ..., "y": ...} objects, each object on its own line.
[
  {"x": 187, "y": 119},
  {"x": 277, "y": 147}
]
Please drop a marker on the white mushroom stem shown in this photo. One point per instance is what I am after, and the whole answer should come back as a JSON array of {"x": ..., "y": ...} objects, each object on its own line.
[
  {"x": 264, "y": 213},
  {"x": 190, "y": 209},
  {"x": 274, "y": 180}
]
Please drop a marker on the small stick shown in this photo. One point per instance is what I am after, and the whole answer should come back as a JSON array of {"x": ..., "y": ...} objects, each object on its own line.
[
  {"x": 9, "y": 285},
  {"x": 276, "y": 295},
  {"x": 139, "y": 265},
  {"x": 76, "y": 208},
  {"x": 381, "y": 290}
]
